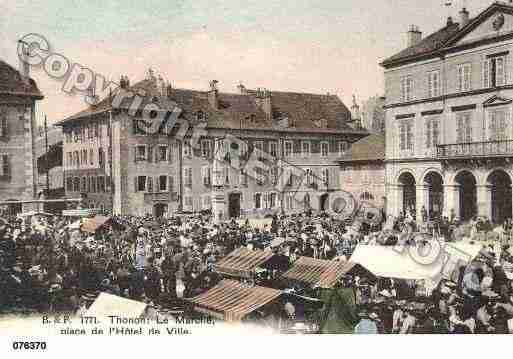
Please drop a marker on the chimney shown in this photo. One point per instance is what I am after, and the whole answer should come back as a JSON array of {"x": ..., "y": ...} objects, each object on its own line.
[
  {"x": 263, "y": 101},
  {"x": 464, "y": 17},
  {"x": 169, "y": 91},
  {"x": 355, "y": 110},
  {"x": 213, "y": 95},
  {"x": 449, "y": 21},
  {"x": 124, "y": 82},
  {"x": 242, "y": 89},
  {"x": 414, "y": 36}
]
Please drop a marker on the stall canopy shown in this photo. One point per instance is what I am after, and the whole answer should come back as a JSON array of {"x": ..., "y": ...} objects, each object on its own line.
[
  {"x": 316, "y": 272},
  {"x": 91, "y": 225},
  {"x": 107, "y": 304},
  {"x": 410, "y": 263},
  {"x": 231, "y": 301},
  {"x": 242, "y": 262}
]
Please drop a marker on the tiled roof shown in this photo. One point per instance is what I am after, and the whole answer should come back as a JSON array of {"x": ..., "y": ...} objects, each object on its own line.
[
  {"x": 316, "y": 272},
  {"x": 242, "y": 262},
  {"x": 12, "y": 83},
  {"x": 427, "y": 45},
  {"x": 370, "y": 148},
  {"x": 447, "y": 36},
  {"x": 306, "y": 112}
]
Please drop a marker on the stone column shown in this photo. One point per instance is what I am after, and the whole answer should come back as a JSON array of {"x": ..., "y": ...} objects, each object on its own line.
[
  {"x": 422, "y": 199},
  {"x": 394, "y": 200},
  {"x": 484, "y": 201},
  {"x": 451, "y": 200},
  {"x": 218, "y": 195}
]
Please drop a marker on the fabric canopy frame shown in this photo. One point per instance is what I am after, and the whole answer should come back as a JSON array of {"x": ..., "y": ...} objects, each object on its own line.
[
  {"x": 231, "y": 300},
  {"x": 242, "y": 262},
  {"x": 317, "y": 273}
]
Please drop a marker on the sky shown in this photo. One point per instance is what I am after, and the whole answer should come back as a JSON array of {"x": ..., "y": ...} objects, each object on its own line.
[{"x": 316, "y": 46}]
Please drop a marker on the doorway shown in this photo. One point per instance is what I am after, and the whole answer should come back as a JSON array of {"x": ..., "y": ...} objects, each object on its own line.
[
  {"x": 160, "y": 209},
  {"x": 234, "y": 205}
]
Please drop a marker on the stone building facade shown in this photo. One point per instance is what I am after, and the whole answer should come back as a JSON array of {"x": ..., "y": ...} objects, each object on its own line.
[
  {"x": 171, "y": 170},
  {"x": 362, "y": 170},
  {"x": 449, "y": 131},
  {"x": 18, "y": 175}
]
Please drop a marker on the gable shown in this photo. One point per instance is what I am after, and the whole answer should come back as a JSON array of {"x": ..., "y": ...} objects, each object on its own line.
[
  {"x": 496, "y": 101},
  {"x": 494, "y": 24}
]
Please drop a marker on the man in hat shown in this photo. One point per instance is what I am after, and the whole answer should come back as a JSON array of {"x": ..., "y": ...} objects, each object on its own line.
[{"x": 366, "y": 325}]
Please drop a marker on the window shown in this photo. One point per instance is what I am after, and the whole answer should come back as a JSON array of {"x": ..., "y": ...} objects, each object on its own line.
[
  {"x": 91, "y": 157},
  {"x": 432, "y": 132},
  {"x": 162, "y": 154},
  {"x": 186, "y": 149},
  {"x": 243, "y": 178},
  {"x": 305, "y": 148},
  {"x": 69, "y": 184},
  {"x": 83, "y": 184},
  {"x": 206, "y": 201},
  {"x": 100, "y": 184},
  {"x": 324, "y": 149},
  {"x": 366, "y": 196},
  {"x": 288, "y": 148},
  {"x": 273, "y": 148},
  {"x": 405, "y": 135},
  {"x": 258, "y": 200},
  {"x": 187, "y": 176},
  {"x": 4, "y": 127},
  {"x": 497, "y": 125},
  {"x": 434, "y": 83},
  {"x": 464, "y": 127},
  {"x": 162, "y": 183},
  {"x": 69, "y": 159},
  {"x": 4, "y": 167},
  {"x": 93, "y": 184},
  {"x": 96, "y": 130},
  {"x": 493, "y": 72},
  {"x": 140, "y": 153},
  {"x": 206, "y": 148},
  {"x": 343, "y": 146},
  {"x": 464, "y": 77},
  {"x": 101, "y": 157},
  {"x": 140, "y": 183},
  {"x": 188, "y": 202},
  {"x": 226, "y": 175},
  {"x": 325, "y": 176},
  {"x": 309, "y": 176},
  {"x": 259, "y": 145},
  {"x": 206, "y": 175},
  {"x": 289, "y": 201},
  {"x": 407, "y": 88},
  {"x": 76, "y": 184}
]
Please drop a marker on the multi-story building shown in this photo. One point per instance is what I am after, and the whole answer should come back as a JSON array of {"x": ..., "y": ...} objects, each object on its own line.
[
  {"x": 18, "y": 176},
  {"x": 373, "y": 114},
  {"x": 449, "y": 132},
  {"x": 362, "y": 170},
  {"x": 163, "y": 172}
]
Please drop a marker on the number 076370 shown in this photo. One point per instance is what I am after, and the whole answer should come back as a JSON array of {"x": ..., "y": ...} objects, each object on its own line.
[{"x": 29, "y": 345}]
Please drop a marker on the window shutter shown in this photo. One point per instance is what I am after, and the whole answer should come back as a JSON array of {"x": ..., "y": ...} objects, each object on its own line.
[
  {"x": 149, "y": 154},
  {"x": 428, "y": 134},
  {"x": 486, "y": 73},
  {"x": 135, "y": 154},
  {"x": 170, "y": 184},
  {"x": 135, "y": 184},
  {"x": 467, "y": 80},
  {"x": 5, "y": 128},
  {"x": 468, "y": 129},
  {"x": 170, "y": 154},
  {"x": 150, "y": 184},
  {"x": 2, "y": 166}
]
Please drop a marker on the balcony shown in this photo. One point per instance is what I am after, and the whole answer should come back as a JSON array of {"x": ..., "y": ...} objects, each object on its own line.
[
  {"x": 475, "y": 150},
  {"x": 160, "y": 197}
]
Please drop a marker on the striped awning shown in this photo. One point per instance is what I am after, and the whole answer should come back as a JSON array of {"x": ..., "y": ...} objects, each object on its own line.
[
  {"x": 316, "y": 272},
  {"x": 92, "y": 224},
  {"x": 242, "y": 262},
  {"x": 231, "y": 301}
]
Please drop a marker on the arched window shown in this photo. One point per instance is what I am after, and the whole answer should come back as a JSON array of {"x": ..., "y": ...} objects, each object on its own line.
[{"x": 366, "y": 196}]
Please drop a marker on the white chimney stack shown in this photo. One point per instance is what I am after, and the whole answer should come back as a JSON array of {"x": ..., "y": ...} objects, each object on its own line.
[
  {"x": 24, "y": 67},
  {"x": 414, "y": 36},
  {"x": 464, "y": 17}
]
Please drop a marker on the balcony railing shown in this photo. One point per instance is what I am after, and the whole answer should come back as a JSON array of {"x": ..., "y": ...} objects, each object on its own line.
[{"x": 475, "y": 149}]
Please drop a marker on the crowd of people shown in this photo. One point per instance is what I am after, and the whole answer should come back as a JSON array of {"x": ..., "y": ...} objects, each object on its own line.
[{"x": 50, "y": 263}]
